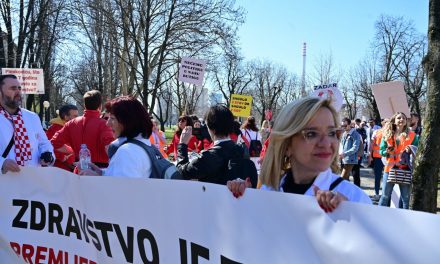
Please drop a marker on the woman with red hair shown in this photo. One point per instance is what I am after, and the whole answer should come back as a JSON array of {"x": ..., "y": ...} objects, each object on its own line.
[{"x": 129, "y": 120}]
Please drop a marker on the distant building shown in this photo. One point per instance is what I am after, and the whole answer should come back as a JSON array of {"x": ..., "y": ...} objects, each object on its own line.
[{"x": 215, "y": 98}]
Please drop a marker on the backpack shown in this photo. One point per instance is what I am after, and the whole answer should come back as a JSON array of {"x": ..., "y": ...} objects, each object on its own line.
[
  {"x": 245, "y": 149},
  {"x": 255, "y": 146},
  {"x": 161, "y": 168},
  {"x": 242, "y": 167}
]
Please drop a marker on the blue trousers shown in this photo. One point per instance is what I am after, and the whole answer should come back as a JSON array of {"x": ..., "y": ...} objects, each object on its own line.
[
  {"x": 378, "y": 169},
  {"x": 388, "y": 189}
]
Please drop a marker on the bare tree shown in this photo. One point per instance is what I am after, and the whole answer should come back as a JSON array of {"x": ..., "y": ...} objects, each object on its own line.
[
  {"x": 325, "y": 71},
  {"x": 350, "y": 97},
  {"x": 268, "y": 82},
  {"x": 390, "y": 33},
  {"x": 229, "y": 74},
  {"x": 427, "y": 168},
  {"x": 189, "y": 97},
  {"x": 411, "y": 69},
  {"x": 149, "y": 37},
  {"x": 32, "y": 38},
  {"x": 361, "y": 78},
  {"x": 401, "y": 49},
  {"x": 291, "y": 91}
]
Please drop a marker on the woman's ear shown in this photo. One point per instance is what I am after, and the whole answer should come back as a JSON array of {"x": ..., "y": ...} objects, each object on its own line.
[{"x": 288, "y": 152}]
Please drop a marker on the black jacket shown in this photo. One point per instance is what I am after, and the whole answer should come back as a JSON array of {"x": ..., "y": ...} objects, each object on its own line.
[{"x": 211, "y": 165}]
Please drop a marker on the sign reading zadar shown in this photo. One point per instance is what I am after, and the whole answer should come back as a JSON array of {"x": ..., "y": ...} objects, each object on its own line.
[
  {"x": 192, "y": 70},
  {"x": 32, "y": 80},
  {"x": 329, "y": 91},
  {"x": 241, "y": 105}
]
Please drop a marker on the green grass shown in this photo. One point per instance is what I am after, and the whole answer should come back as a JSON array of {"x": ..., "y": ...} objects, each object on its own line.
[{"x": 169, "y": 133}]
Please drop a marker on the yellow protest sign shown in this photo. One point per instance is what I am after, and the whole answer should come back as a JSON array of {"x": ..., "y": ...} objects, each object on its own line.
[{"x": 241, "y": 105}]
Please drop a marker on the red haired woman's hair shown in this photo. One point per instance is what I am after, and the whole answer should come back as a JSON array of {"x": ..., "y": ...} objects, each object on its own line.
[{"x": 132, "y": 115}]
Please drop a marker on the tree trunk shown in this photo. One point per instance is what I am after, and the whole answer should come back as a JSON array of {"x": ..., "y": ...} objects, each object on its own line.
[{"x": 424, "y": 190}]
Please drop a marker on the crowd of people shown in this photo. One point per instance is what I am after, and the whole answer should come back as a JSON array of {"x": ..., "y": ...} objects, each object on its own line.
[{"x": 306, "y": 151}]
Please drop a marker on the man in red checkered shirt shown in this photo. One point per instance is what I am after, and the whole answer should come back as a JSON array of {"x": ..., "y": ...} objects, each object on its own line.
[{"x": 22, "y": 139}]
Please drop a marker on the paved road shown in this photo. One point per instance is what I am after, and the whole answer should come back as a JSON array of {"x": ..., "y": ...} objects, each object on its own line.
[{"x": 367, "y": 182}]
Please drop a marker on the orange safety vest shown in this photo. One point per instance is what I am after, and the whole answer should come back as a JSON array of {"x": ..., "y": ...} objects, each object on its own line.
[
  {"x": 160, "y": 143},
  {"x": 376, "y": 144},
  {"x": 394, "y": 157}
]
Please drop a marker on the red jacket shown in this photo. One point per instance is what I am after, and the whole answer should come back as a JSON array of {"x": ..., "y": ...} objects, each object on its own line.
[
  {"x": 62, "y": 160},
  {"x": 263, "y": 151},
  {"x": 88, "y": 129},
  {"x": 192, "y": 145},
  {"x": 203, "y": 144},
  {"x": 56, "y": 124}
]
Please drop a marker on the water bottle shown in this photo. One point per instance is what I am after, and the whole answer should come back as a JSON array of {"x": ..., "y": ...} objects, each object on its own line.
[{"x": 84, "y": 157}]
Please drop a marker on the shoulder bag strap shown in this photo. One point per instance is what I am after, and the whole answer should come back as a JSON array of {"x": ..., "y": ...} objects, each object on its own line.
[
  {"x": 245, "y": 131},
  {"x": 154, "y": 155},
  {"x": 152, "y": 152},
  {"x": 335, "y": 183},
  {"x": 8, "y": 148}
]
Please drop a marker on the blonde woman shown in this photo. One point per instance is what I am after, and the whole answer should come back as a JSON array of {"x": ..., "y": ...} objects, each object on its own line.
[
  {"x": 303, "y": 147},
  {"x": 396, "y": 138},
  {"x": 265, "y": 130}
]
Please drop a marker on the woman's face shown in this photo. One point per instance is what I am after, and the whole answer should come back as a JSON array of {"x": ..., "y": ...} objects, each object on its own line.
[
  {"x": 182, "y": 123},
  {"x": 115, "y": 125},
  {"x": 312, "y": 150},
  {"x": 197, "y": 124},
  {"x": 400, "y": 120},
  {"x": 155, "y": 127}
]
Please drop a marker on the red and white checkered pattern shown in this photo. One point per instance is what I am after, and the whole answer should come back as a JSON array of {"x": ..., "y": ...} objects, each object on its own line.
[{"x": 21, "y": 138}]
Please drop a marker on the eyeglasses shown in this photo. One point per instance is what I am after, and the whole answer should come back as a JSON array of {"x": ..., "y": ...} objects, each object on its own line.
[
  {"x": 313, "y": 136},
  {"x": 182, "y": 120}
]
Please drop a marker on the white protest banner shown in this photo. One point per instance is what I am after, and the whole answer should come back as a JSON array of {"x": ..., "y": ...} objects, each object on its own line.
[
  {"x": 192, "y": 70},
  {"x": 52, "y": 216},
  {"x": 390, "y": 98},
  {"x": 32, "y": 80},
  {"x": 329, "y": 91}
]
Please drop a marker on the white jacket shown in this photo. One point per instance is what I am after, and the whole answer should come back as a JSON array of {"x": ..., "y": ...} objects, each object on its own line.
[
  {"x": 323, "y": 182},
  {"x": 130, "y": 160},
  {"x": 37, "y": 138},
  {"x": 251, "y": 135}
]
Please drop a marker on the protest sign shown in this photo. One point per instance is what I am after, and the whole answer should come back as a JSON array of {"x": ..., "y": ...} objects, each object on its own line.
[
  {"x": 192, "y": 70},
  {"x": 241, "y": 105},
  {"x": 31, "y": 80},
  {"x": 49, "y": 215},
  {"x": 390, "y": 98},
  {"x": 329, "y": 91}
]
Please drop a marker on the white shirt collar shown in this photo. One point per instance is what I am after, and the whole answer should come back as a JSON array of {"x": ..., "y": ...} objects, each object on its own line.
[{"x": 218, "y": 141}]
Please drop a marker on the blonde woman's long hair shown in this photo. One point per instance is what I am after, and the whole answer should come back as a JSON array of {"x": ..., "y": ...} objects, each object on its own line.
[
  {"x": 290, "y": 121},
  {"x": 265, "y": 124},
  {"x": 390, "y": 128}
]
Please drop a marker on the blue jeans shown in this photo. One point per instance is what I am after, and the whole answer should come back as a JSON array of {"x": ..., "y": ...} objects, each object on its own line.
[
  {"x": 377, "y": 168},
  {"x": 388, "y": 189}
]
